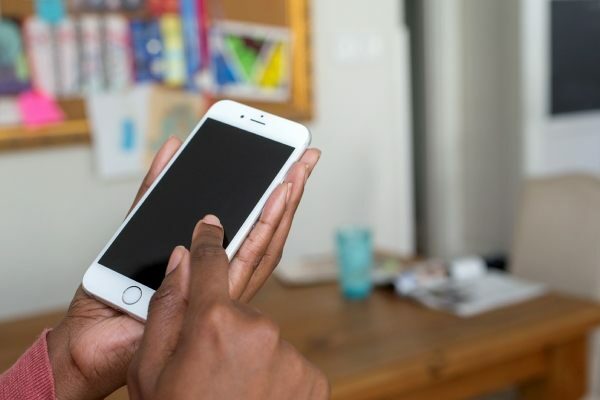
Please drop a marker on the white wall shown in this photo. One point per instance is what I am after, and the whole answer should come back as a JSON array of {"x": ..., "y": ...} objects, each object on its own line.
[
  {"x": 472, "y": 161},
  {"x": 442, "y": 41},
  {"x": 362, "y": 109},
  {"x": 491, "y": 144},
  {"x": 55, "y": 215},
  {"x": 488, "y": 125}
]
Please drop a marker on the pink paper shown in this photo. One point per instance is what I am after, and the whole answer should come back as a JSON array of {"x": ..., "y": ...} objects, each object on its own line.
[{"x": 38, "y": 109}]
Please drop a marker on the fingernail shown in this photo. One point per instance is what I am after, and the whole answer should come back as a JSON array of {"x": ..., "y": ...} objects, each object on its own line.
[
  {"x": 175, "y": 259},
  {"x": 288, "y": 194},
  {"x": 306, "y": 169},
  {"x": 212, "y": 220}
]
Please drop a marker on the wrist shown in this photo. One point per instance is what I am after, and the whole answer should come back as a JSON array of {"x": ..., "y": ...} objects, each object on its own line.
[{"x": 69, "y": 382}]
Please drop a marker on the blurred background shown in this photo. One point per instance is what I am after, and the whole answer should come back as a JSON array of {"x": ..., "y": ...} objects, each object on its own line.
[{"x": 462, "y": 135}]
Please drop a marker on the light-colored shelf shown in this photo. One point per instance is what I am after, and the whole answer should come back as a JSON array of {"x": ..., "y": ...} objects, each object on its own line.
[{"x": 68, "y": 132}]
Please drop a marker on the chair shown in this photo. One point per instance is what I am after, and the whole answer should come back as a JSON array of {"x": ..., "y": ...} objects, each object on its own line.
[{"x": 557, "y": 242}]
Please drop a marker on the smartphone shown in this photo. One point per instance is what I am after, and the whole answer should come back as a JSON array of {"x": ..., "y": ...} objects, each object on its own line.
[{"x": 228, "y": 166}]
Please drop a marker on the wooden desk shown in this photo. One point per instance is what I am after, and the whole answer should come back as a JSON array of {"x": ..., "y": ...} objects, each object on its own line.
[{"x": 387, "y": 348}]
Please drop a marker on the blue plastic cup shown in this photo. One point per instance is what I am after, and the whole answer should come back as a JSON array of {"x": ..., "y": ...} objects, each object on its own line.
[{"x": 355, "y": 261}]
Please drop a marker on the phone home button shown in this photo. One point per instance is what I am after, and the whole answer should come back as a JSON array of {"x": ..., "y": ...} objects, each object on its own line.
[{"x": 132, "y": 295}]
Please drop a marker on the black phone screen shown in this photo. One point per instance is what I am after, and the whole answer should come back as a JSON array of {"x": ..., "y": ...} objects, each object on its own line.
[{"x": 224, "y": 171}]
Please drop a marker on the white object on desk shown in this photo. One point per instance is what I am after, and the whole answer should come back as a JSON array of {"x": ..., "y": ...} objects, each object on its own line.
[
  {"x": 467, "y": 268},
  {"x": 324, "y": 269},
  {"x": 307, "y": 271},
  {"x": 478, "y": 294}
]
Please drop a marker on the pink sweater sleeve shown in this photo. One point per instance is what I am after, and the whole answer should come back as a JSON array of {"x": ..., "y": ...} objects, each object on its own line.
[{"x": 30, "y": 378}]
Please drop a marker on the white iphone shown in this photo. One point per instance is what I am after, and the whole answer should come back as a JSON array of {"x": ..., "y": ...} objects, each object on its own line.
[{"x": 228, "y": 166}]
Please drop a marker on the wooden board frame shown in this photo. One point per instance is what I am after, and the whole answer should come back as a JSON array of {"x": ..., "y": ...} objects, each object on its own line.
[{"x": 287, "y": 13}]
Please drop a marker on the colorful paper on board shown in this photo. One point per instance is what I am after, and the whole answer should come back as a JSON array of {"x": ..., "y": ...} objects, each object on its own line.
[
  {"x": 14, "y": 74},
  {"x": 51, "y": 11},
  {"x": 251, "y": 61},
  {"x": 38, "y": 109}
]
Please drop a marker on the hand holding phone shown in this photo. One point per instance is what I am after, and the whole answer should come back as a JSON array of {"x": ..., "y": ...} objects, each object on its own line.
[
  {"x": 198, "y": 343},
  {"x": 91, "y": 348},
  {"x": 235, "y": 158}
]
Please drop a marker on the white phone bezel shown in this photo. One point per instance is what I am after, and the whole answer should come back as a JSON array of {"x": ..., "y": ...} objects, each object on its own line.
[{"x": 108, "y": 285}]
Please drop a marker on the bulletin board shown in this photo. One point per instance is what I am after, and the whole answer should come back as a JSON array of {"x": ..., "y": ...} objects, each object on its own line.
[{"x": 291, "y": 14}]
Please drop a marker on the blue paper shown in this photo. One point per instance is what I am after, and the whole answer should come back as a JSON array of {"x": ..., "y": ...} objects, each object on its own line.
[
  {"x": 51, "y": 11},
  {"x": 147, "y": 51},
  {"x": 191, "y": 37},
  {"x": 223, "y": 72},
  {"x": 128, "y": 142}
]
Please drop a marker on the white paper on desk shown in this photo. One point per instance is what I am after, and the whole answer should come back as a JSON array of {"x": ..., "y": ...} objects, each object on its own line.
[
  {"x": 118, "y": 124},
  {"x": 307, "y": 271},
  {"x": 469, "y": 297}
]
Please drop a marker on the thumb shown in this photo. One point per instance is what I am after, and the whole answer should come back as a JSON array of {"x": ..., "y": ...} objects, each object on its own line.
[
  {"x": 209, "y": 271},
  {"x": 166, "y": 313}
]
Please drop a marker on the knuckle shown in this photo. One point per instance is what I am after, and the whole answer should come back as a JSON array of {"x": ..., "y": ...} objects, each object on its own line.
[
  {"x": 266, "y": 332},
  {"x": 216, "y": 324},
  {"x": 218, "y": 313},
  {"x": 298, "y": 363},
  {"x": 273, "y": 259},
  {"x": 277, "y": 259},
  {"x": 251, "y": 253},
  {"x": 167, "y": 296},
  {"x": 322, "y": 386},
  {"x": 204, "y": 250},
  {"x": 298, "y": 367},
  {"x": 217, "y": 316},
  {"x": 266, "y": 228}
]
